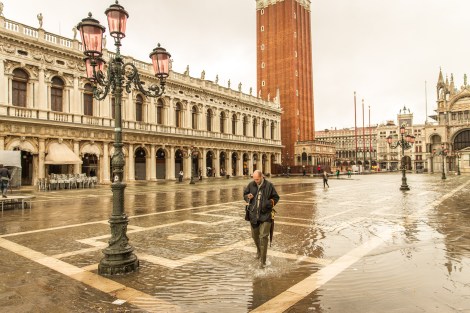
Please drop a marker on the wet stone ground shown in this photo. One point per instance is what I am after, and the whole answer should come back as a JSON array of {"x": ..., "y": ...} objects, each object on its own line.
[{"x": 361, "y": 245}]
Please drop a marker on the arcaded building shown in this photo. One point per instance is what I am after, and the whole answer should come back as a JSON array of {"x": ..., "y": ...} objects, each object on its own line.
[{"x": 47, "y": 111}]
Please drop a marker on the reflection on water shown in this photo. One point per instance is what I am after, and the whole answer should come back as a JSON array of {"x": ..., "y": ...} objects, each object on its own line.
[{"x": 422, "y": 268}]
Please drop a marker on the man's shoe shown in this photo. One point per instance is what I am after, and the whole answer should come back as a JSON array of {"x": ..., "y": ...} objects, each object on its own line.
[{"x": 4, "y": 196}]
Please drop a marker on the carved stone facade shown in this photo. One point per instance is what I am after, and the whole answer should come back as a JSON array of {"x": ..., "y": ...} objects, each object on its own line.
[
  {"x": 451, "y": 127},
  {"x": 197, "y": 126}
]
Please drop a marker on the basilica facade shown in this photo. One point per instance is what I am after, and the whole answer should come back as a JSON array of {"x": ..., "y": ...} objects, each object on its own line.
[
  {"x": 450, "y": 130},
  {"x": 198, "y": 127}
]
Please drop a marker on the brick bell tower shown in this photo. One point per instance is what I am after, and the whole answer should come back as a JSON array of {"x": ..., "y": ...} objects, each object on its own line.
[{"x": 284, "y": 67}]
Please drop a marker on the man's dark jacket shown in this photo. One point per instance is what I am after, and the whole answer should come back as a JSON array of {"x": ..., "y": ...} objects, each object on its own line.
[{"x": 269, "y": 198}]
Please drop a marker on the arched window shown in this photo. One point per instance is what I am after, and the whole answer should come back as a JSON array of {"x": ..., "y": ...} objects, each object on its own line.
[
  {"x": 194, "y": 117},
  {"x": 19, "y": 84},
  {"x": 245, "y": 125},
  {"x": 234, "y": 124},
  {"x": 272, "y": 130},
  {"x": 209, "y": 120},
  {"x": 178, "y": 115},
  {"x": 255, "y": 126},
  {"x": 57, "y": 91},
  {"x": 139, "y": 108},
  {"x": 462, "y": 140},
  {"x": 159, "y": 111},
  {"x": 222, "y": 122},
  {"x": 263, "y": 129},
  {"x": 88, "y": 100}
]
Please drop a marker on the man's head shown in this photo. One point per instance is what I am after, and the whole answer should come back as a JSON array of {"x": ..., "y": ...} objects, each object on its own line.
[{"x": 258, "y": 177}]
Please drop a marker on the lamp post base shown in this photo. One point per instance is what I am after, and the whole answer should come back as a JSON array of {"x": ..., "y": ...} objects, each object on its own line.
[
  {"x": 443, "y": 176},
  {"x": 404, "y": 187},
  {"x": 192, "y": 181},
  {"x": 119, "y": 263}
]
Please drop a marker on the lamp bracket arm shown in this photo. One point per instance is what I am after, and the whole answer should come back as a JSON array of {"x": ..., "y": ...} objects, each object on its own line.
[
  {"x": 100, "y": 92},
  {"x": 133, "y": 77}
]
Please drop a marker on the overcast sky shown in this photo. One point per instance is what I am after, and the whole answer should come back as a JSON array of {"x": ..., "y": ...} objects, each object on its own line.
[{"x": 384, "y": 50}]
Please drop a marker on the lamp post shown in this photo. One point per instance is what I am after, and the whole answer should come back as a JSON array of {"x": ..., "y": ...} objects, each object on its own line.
[
  {"x": 118, "y": 256},
  {"x": 405, "y": 142},
  {"x": 443, "y": 153},
  {"x": 459, "y": 155}
]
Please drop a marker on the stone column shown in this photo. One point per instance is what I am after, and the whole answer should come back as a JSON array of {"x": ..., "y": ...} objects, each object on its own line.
[
  {"x": 203, "y": 119},
  {"x": 250, "y": 163},
  {"x": 42, "y": 155},
  {"x": 187, "y": 166},
  {"x": 170, "y": 164},
  {"x": 76, "y": 150},
  {"x": 42, "y": 94},
  {"x": 76, "y": 108},
  {"x": 170, "y": 113},
  {"x": 268, "y": 163},
  {"x": 3, "y": 82},
  {"x": 153, "y": 163},
  {"x": 216, "y": 121},
  {"x": 228, "y": 161},
  {"x": 240, "y": 164},
  {"x": 105, "y": 162},
  {"x": 131, "y": 162},
  {"x": 151, "y": 111},
  {"x": 216, "y": 162},
  {"x": 203, "y": 161}
]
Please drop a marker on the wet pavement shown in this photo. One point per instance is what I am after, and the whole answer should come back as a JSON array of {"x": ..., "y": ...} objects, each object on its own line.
[{"x": 361, "y": 245}]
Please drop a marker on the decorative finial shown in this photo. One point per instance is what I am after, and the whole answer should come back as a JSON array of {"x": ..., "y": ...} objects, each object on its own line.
[
  {"x": 217, "y": 78},
  {"x": 465, "y": 79}
]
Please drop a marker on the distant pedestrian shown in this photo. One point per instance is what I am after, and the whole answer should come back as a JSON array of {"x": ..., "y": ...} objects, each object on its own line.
[
  {"x": 262, "y": 197},
  {"x": 337, "y": 174},
  {"x": 4, "y": 179},
  {"x": 349, "y": 173},
  {"x": 304, "y": 172},
  {"x": 180, "y": 176},
  {"x": 325, "y": 179}
]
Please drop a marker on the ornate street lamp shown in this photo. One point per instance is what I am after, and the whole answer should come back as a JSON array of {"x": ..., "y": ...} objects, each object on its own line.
[
  {"x": 406, "y": 142},
  {"x": 443, "y": 152},
  {"x": 118, "y": 256}
]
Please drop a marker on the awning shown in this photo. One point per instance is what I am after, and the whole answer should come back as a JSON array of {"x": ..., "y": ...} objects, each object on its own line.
[
  {"x": 10, "y": 158},
  {"x": 59, "y": 153}
]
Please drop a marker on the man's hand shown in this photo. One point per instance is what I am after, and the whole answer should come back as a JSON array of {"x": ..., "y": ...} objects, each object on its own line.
[{"x": 250, "y": 196}]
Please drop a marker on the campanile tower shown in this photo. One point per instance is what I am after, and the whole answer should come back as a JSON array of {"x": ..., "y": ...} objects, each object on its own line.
[{"x": 284, "y": 66}]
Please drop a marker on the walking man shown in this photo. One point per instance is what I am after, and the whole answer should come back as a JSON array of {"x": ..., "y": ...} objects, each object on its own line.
[
  {"x": 4, "y": 179},
  {"x": 325, "y": 179},
  {"x": 262, "y": 197}
]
